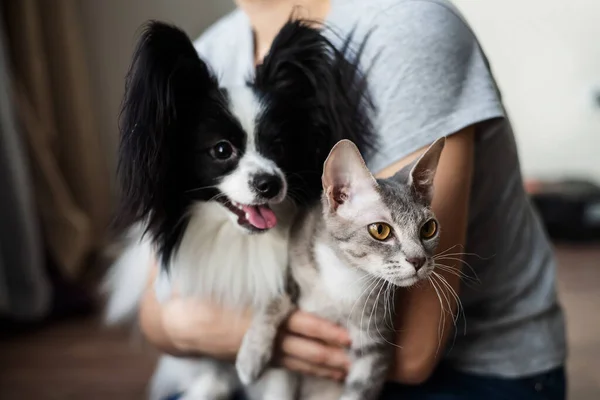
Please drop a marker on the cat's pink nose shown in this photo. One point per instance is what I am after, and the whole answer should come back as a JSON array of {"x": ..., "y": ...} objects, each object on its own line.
[{"x": 416, "y": 262}]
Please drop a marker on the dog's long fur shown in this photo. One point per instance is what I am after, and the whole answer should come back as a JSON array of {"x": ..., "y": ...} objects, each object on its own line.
[{"x": 184, "y": 201}]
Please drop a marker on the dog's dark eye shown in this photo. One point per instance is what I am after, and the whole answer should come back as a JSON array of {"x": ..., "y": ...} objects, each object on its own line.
[{"x": 222, "y": 150}]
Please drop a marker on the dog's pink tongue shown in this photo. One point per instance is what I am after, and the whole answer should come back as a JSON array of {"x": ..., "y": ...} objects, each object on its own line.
[{"x": 260, "y": 217}]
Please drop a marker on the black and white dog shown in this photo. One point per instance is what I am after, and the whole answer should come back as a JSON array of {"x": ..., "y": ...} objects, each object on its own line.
[{"x": 211, "y": 177}]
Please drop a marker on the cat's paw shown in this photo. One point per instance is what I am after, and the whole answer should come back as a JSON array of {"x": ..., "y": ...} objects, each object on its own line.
[
  {"x": 254, "y": 356},
  {"x": 255, "y": 353},
  {"x": 249, "y": 365}
]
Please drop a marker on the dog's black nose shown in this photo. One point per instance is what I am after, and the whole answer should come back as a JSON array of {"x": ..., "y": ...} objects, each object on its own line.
[{"x": 268, "y": 186}]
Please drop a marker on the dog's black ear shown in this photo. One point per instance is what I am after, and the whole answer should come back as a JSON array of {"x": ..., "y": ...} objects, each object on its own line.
[
  {"x": 166, "y": 84},
  {"x": 312, "y": 75},
  {"x": 353, "y": 109},
  {"x": 298, "y": 56}
]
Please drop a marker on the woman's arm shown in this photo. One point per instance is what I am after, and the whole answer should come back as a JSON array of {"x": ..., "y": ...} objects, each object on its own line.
[
  {"x": 422, "y": 339},
  {"x": 184, "y": 327},
  {"x": 312, "y": 345}
]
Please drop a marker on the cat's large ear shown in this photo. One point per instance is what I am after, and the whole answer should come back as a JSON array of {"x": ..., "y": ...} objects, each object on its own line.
[
  {"x": 345, "y": 175},
  {"x": 167, "y": 83},
  {"x": 422, "y": 171}
]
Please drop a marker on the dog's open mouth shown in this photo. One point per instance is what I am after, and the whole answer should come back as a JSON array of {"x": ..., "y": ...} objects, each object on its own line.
[{"x": 257, "y": 217}]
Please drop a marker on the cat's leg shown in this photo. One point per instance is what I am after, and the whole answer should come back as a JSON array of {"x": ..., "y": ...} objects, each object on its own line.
[
  {"x": 275, "y": 384},
  {"x": 198, "y": 379},
  {"x": 314, "y": 388},
  {"x": 218, "y": 381},
  {"x": 172, "y": 375},
  {"x": 256, "y": 350},
  {"x": 368, "y": 371}
]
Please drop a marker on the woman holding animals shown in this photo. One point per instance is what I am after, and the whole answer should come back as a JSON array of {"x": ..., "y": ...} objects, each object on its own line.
[{"x": 429, "y": 79}]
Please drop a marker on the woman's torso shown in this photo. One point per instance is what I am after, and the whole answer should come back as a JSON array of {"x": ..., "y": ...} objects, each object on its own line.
[{"x": 514, "y": 325}]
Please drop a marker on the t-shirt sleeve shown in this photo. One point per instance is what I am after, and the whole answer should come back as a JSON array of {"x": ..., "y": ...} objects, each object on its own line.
[
  {"x": 429, "y": 78},
  {"x": 216, "y": 36}
]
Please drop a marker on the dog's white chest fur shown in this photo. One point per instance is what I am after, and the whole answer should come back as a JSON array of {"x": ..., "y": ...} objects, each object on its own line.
[{"x": 217, "y": 260}]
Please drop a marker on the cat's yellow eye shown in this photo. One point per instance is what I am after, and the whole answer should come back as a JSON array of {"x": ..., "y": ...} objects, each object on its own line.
[
  {"x": 429, "y": 229},
  {"x": 380, "y": 230}
]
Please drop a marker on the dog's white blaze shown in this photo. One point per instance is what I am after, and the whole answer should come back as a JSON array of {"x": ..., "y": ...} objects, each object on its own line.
[
  {"x": 237, "y": 185},
  {"x": 245, "y": 107}
]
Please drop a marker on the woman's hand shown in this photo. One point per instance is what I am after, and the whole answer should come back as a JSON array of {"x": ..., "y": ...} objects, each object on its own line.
[
  {"x": 188, "y": 327},
  {"x": 311, "y": 345},
  {"x": 199, "y": 327},
  {"x": 306, "y": 343}
]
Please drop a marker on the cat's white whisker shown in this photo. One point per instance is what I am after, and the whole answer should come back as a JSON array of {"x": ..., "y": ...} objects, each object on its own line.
[
  {"x": 460, "y": 260},
  {"x": 374, "y": 286},
  {"x": 461, "y": 254},
  {"x": 442, "y": 320},
  {"x": 373, "y": 309},
  {"x": 459, "y": 306},
  {"x": 376, "y": 304},
  {"x": 444, "y": 294},
  {"x": 386, "y": 312},
  {"x": 449, "y": 249},
  {"x": 370, "y": 279},
  {"x": 447, "y": 289},
  {"x": 443, "y": 290},
  {"x": 200, "y": 188},
  {"x": 456, "y": 272}
]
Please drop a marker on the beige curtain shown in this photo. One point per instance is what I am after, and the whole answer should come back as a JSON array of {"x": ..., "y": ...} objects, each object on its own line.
[{"x": 54, "y": 107}]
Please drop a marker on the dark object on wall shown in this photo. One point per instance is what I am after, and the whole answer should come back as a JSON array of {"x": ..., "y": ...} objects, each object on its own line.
[{"x": 570, "y": 209}]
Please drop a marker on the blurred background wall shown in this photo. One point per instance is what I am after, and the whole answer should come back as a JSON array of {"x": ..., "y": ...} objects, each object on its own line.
[{"x": 546, "y": 58}]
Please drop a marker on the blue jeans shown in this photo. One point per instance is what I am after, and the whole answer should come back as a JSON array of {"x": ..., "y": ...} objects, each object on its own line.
[{"x": 449, "y": 384}]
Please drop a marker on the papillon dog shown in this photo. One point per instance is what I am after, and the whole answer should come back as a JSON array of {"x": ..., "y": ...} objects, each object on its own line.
[{"x": 211, "y": 177}]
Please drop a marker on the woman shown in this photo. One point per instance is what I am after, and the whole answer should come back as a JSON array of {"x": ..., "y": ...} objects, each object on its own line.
[{"x": 429, "y": 79}]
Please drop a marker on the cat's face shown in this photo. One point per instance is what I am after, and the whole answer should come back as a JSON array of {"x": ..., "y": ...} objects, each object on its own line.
[{"x": 385, "y": 227}]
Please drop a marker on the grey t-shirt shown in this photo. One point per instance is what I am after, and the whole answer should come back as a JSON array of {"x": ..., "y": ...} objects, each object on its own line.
[{"x": 431, "y": 79}]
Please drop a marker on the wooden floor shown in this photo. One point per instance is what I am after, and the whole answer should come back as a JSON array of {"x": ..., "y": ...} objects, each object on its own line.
[
  {"x": 81, "y": 360},
  {"x": 579, "y": 285}
]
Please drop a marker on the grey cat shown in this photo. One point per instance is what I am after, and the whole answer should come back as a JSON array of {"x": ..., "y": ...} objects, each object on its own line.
[{"x": 347, "y": 255}]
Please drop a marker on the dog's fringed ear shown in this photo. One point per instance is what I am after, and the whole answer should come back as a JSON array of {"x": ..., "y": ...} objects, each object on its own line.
[
  {"x": 166, "y": 83},
  {"x": 298, "y": 55},
  {"x": 307, "y": 71},
  {"x": 352, "y": 107}
]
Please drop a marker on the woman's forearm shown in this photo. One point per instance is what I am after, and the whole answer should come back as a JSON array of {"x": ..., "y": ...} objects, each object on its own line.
[
  {"x": 151, "y": 320},
  {"x": 425, "y": 319},
  {"x": 187, "y": 327},
  {"x": 152, "y": 326}
]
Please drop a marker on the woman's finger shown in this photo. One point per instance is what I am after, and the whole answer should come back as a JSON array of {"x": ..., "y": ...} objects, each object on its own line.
[
  {"x": 305, "y": 324},
  {"x": 314, "y": 352},
  {"x": 304, "y": 367}
]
